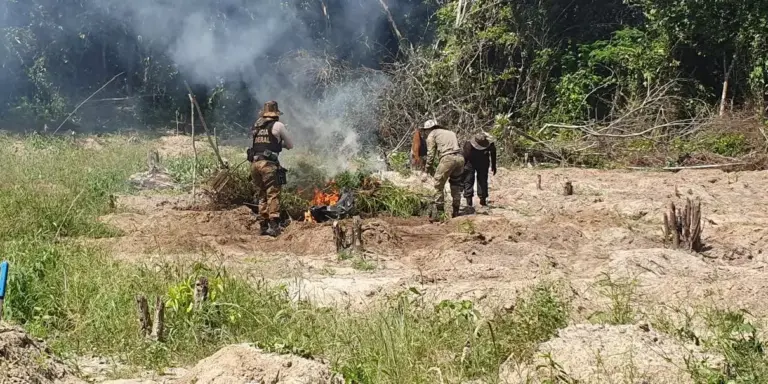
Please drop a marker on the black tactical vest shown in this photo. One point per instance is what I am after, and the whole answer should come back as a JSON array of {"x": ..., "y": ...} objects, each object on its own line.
[{"x": 263, "y": 139}]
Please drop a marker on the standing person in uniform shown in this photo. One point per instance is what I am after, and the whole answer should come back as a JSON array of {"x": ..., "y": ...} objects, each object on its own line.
[
  {"x": 269, "y": 138},
  {"x": 479, "y": 154},
  {"x": 443, "y": 149}
]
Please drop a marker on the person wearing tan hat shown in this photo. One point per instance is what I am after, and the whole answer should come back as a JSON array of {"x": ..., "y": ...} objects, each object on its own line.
[
  {"x": 479, "y": 154},
  {"x": 269, "y": 138},
  {"x": 443, "y": 149}
]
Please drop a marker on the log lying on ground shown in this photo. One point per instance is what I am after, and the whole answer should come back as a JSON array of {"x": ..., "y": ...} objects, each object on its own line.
[{"x": 683, "y": 227}]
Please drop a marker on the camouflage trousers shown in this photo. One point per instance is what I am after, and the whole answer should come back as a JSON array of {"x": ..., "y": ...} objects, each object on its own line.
[
  {"x": 450, "y": 169},
  {"x": 264, "y": 176}
]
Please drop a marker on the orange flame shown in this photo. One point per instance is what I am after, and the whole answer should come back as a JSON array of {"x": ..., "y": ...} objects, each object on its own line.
[{"x": 327, "y": 196}]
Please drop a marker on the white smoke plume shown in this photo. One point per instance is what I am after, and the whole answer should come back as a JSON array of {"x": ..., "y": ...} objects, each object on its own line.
[{"x": 247, "y": 47}]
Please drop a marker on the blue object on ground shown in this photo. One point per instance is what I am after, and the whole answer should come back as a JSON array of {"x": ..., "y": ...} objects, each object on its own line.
[{"x": 3, "y": 278}]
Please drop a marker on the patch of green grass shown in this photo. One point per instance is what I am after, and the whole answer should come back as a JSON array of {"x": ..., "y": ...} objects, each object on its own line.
[
  {"x": 621, "y": 293},
  {"x": 51, "y": 186},
  {"x": 183, "y": 169},
  {"x": 399, "y": 163},
  {"x": 362, "y": 264},
  {"x": 726, "y": 144},
  {"x": 736, "y": 339}
]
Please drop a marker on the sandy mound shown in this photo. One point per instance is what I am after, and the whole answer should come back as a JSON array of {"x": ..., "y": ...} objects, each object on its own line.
[
  {"x": 24, "y": 360},
  {"x": 177, "y": 146},
  {"x": 243, "y": 364},
  {"x": 609, "y": 354},
  {"x": 153, "y": 180}
]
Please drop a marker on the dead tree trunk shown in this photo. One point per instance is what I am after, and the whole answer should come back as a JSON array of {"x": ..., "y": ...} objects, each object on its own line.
[
  {"x": 159, "y": 323},
  {"x": 568, "y": 189},
  {"x": 143, "y": 311},
  {"x": 684, "y": 227},
  {"x": 201, "y": 291}
]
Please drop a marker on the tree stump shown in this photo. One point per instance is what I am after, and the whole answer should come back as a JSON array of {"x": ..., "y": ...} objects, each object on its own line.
[
  {"x": 143, "y": 311},
  {"x": 153, "y": 161},
  {"x": 568, "y": 189},
  {"x": 683, "y": 228},
  {"x": 339, "y": 236},
  {"x": 159, "y": 323},
  {"x": 201, "y": 291},
  {"x": 357, "y": 233},
  {"x": 538, "y": 182}
]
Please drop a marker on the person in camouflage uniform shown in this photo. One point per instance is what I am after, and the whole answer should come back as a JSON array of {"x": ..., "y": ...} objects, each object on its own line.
[
  {"x": 443, "y": 149},
  {"x": 269, "y": 138}
]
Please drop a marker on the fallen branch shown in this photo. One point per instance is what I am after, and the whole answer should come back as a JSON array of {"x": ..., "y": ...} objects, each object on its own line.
[
  {"x": 710, "y": 166},
  {"x": 85, "y": 101}
]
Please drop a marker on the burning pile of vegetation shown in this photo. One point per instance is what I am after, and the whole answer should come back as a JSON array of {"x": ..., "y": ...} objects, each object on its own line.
[{"x": 309, "y": 187}]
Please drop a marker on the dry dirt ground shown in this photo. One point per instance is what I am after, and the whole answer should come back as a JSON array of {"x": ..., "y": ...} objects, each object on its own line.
[{"x": 611, "y": 226}]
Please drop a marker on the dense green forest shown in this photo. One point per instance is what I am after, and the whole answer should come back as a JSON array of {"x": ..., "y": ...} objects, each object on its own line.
[{"x": 544, "y": 72}]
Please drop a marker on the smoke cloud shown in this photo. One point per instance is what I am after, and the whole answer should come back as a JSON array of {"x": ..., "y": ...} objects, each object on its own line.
[{"x": 211, "y": 41}]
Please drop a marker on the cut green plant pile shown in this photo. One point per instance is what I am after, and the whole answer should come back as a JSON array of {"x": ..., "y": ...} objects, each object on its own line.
[
  {"x": 372, "y": 196},
  {"x": 82, "y": 301}
]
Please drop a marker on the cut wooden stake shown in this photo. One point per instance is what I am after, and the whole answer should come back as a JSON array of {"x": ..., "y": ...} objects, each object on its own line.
[
  {"x": 339, "y": 236},
  {"x": 205, "y": 127},
  {"x": 357, "y": 233},
  {"x": 201, "y": 291},
  {"x": 159, "y": 323},
  {"x": 177, "y": 122},
  {"x": 568, "y": 189},
  {"x": 538, "y": 182},
  {"x": 153, "y": 161},
  {"x": 143, "y": 311},
  {"x": 684, "y": 227},
  {"x": 670, "y": 219},
  {"x": 194, "y": 148}
]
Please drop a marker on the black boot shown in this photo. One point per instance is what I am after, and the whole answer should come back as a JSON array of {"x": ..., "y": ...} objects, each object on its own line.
[
  {"x": 274, "y": 228},
  {"x": 483, "y": 202},
  {"x": 469, "y": 201},
  {"x": 264, "y": 226},
  {"x": 455, "y": 212}
]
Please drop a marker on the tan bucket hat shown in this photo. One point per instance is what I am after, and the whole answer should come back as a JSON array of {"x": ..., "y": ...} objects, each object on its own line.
[
  {"x": 480, "y": 142},
  {"x": 270, "y": 109}
]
